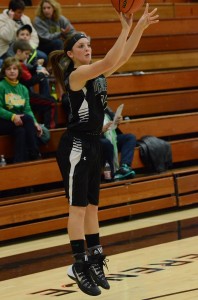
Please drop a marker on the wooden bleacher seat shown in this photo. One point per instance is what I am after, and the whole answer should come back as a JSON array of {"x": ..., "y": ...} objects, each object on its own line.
[
  {"x": 157, "y": 61},
  {"x": 111, "y": 28},
  {"x": 186, "y": 181},
  {"x": 163, "y": 126},
  {"x": 48, "y": 211},
  {"x": 84, "y": 2},
  {"x": 156, "y": 103},
  {"x": 122, "y": 84},
  {"x": 96, "y": 12}
]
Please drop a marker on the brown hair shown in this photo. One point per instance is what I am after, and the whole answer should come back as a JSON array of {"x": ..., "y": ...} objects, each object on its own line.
[
  {"x": 9, "y": 61},
  {"x": 21, "y": 45},
  {"x": 56, "y": 6},
  {"x": 59, "y": 60}
]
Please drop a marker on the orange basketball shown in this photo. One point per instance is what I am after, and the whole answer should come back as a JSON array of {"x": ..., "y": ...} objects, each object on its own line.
[{"x": 127, "y": 6}]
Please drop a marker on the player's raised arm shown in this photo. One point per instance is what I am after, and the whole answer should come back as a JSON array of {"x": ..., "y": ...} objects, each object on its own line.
[
  {"x": 146, "y": 20},
  {"x": 89, "y": 71}
]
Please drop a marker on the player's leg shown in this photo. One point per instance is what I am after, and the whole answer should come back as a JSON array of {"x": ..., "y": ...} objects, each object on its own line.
[
  {"x": 96, "y": 257},
  {"x": 77, "y": 183}
]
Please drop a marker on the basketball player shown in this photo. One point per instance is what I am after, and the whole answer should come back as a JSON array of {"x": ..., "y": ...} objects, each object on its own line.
[{"x": 78, "y": 153}]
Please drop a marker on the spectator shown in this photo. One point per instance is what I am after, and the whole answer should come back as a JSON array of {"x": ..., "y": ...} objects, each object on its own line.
[
  {"x": 10, "y": 21},
  {"x": 24, "y": 33},
  {"x": 51, "y": 26},
  {"x": 43, "y": 103},
  {"x": 113, "y": 142},
  {"x": 16, "y": 116}
]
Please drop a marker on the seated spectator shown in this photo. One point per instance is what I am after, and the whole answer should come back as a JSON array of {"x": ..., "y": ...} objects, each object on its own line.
[
  {"x": 42, "y": 102},
  {"x": 113, "y": 142},
  {"x": 51, "y": 26},
  {"x": 10, "y": 21},
  {"x": 24, "y": 33},
  {"x": 16, "y": 116}
]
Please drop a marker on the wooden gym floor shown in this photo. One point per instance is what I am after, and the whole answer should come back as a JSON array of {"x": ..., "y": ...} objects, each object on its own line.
[{"x": 150, "y": 257}]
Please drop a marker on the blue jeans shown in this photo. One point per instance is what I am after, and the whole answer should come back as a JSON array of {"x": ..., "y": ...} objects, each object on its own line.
[
  {"x": 25, "y": 136},
  {"x": 126, "y": 145}
]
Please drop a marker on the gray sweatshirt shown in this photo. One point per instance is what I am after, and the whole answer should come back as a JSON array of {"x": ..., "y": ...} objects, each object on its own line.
[{"x": 48, "y": 29}]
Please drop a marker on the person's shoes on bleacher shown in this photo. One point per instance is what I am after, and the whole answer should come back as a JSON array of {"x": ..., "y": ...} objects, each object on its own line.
[
  {"x": 79, "y": 272},
  {"x": 97, "y": 262},
  {"x": 124, "y": 172},
  {"x": 34, "y": 155}
]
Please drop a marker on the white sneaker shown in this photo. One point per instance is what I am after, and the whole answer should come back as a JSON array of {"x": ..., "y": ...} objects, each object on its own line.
[{"x": 70, "y": 273}]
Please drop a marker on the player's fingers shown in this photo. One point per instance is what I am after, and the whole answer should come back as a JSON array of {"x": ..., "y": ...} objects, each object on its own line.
[
  {"x": 146, "y": 8},
  {"x": 153, "y": 11}
]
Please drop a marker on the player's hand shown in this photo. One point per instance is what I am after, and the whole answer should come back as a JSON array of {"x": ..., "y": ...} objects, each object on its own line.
[
  {"x": 148, "y": 18},
  {"x": 126, "y": 21}
]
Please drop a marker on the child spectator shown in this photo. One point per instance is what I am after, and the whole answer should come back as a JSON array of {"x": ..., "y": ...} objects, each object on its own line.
[
  {"x": 16, "y": 116},
  {"x": 24, "y": 33},
  {"x": 51, "y": 26},
  {"x": 10, "y": 21},
  {"x": 41, "y": 102}
]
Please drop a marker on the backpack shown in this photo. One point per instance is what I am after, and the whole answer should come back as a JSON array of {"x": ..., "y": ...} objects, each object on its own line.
[{"x": 155, "y": 153}]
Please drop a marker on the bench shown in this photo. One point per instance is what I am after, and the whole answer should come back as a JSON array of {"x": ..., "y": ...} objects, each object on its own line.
[
  {"x": 50, "y": 213},
  {"x": 160, "y": 126},
  {"x": 83, "y": 2},
  {"x": 111, "y": 28},
  {"x": 122, "y": 84},
  {"x": 47, "y": 211},
  {"x": 93, "y": 12},
  {"x": 186, "y": 181},
  {"x": 160, "y": 43},
  {"x": 148, "y": 104},
  {"x": 156, "y": 61}
]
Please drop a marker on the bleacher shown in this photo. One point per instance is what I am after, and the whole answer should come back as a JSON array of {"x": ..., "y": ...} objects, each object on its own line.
[{"x": 159, "y": 88}]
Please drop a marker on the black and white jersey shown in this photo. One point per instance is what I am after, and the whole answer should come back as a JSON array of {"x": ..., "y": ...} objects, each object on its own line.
[{"x": 87, "y": 106}]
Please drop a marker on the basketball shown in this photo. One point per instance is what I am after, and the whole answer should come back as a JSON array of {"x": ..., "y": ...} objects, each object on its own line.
[{"x": 127, "y": 6}]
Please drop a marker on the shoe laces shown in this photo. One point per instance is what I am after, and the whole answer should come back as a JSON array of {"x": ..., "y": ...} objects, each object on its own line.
[
  {"x": 86, "y": 279},
  {"x": 98, "y": 263}
]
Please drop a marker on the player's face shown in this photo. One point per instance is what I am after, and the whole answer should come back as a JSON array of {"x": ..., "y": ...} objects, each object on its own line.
[
  {"x": 24, "y": 35},
  {"x": 12, "y": 73},
  {"x": 81, "y": 52},
  {"x": 48, "y": 10}
]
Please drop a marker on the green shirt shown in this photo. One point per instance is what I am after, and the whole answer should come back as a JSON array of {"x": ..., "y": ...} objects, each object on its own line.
[{"x": 14, "y": 99}]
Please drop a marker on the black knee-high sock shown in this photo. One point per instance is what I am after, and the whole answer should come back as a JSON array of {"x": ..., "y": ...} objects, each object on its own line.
[
  {"x": 92, "y": 240},
  {"x": 78, "y": 247}
]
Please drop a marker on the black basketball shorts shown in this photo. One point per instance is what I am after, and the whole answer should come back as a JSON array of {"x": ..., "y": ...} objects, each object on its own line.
[{"x": 80, "y": 165}]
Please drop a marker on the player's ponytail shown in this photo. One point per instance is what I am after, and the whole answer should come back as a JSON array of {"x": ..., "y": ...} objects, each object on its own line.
[{"x": 59, "y": 63}]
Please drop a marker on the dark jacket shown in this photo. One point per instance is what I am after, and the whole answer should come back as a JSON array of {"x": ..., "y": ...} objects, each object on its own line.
[{"x": 155, "y": 153}]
